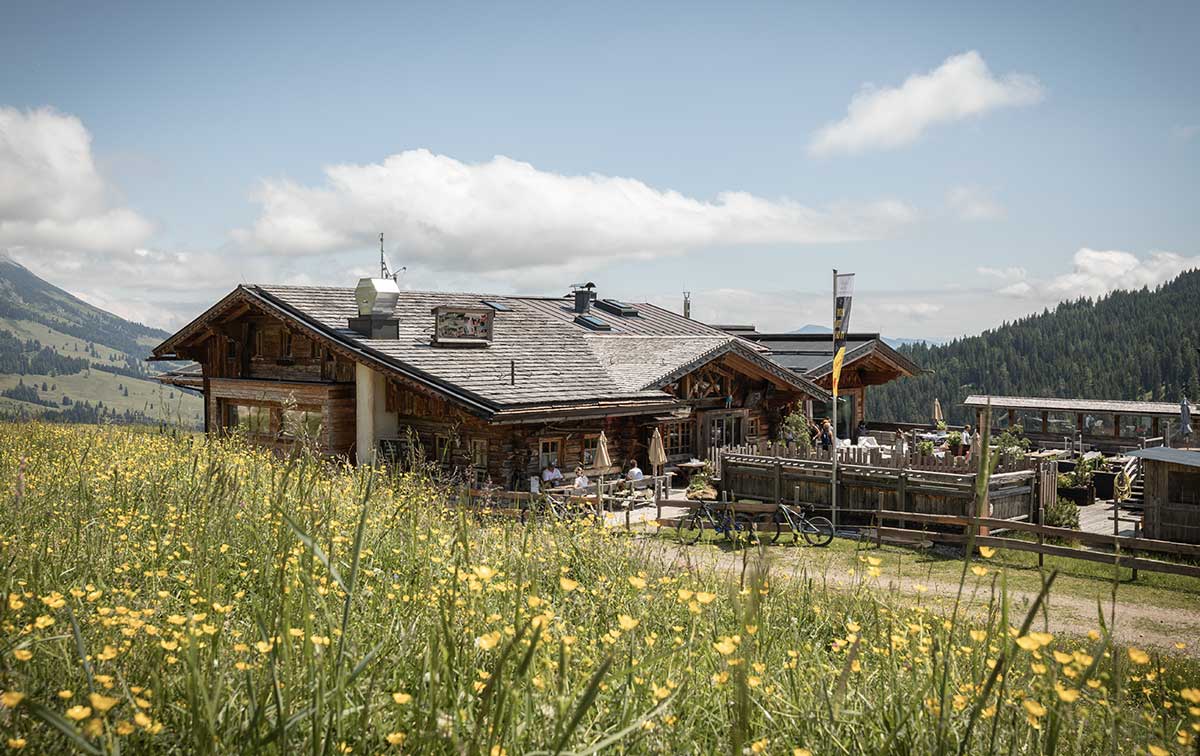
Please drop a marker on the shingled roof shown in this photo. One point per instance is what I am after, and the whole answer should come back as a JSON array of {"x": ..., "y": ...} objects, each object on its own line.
[{"x": 539, "y": 357}]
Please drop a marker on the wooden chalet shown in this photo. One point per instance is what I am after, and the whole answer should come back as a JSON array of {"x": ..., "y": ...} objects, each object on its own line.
[
  {"x": 1102, "y": 424},
  {"x": 495, "y": 386},
  {"x": 869, "y": 361}
]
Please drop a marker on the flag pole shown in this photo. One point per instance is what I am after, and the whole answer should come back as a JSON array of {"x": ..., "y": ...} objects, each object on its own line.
[{"x": 834, "y": 419}]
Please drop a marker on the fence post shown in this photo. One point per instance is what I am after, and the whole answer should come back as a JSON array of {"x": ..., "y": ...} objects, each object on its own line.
[
  {"x": 879, "y": 520},
  {"x": 658, "y": 487},
  {"x": 901, "y": 495},
  {"x": 778, "y": 482},
  {"x": 1137, "y": 533}
]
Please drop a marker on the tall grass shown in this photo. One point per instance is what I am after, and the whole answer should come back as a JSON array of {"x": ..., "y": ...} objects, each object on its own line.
[{"x": 179, "y": 594}]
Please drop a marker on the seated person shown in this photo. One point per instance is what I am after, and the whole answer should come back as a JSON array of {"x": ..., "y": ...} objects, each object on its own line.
[
  {"x": 635, "y": 472},
  {"x": 581, "y": 480},
  {"x": 552, "y": 475}
]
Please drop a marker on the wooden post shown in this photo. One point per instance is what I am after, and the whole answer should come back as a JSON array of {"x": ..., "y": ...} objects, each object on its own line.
[
  {"x": 658, "y": 486},
  {"x": 879, "y": 520},
  {"x": 1137, "y": 533},
  {"x": 778, "y": 482},
  {"x": 902, "y": 494},
  {"x": 1041, "y": 520}
]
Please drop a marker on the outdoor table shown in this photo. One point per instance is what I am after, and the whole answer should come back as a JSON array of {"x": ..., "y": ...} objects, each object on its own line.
[{"x": 689, "y": 469}]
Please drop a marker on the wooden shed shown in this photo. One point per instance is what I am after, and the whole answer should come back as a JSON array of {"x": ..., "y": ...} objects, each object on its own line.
[{"x": 1172, "y": 483}]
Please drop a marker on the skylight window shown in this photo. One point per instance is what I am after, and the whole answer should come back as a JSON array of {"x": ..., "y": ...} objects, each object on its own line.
[
  {"x": 592, "y": 322},
  {"x": 497, "y": 306},
  {"x": 617, "y": 307}
]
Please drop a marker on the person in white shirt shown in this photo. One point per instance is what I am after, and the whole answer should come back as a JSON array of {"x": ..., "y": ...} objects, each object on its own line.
[
  {"x": 581, "y": 480},
  {"x": 635, "y": 472},
  {"x": 552, "y": 475}
]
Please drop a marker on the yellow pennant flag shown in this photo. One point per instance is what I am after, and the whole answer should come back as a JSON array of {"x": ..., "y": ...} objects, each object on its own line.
[{"x": 837, "y": 368}]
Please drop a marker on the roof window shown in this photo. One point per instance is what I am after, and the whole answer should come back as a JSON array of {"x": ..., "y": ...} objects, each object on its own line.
[
  {"x": 592, "y": 322},
  {"x": 617, "y": 307}
]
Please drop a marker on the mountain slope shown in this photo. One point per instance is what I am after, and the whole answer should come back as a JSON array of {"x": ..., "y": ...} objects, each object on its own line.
[
  {"x": 65, "y": 360},
  {"x": 1139, "y": 345}
]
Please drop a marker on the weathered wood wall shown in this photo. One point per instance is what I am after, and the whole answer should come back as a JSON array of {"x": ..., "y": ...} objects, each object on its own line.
[{"x": 1171, "y": 517}]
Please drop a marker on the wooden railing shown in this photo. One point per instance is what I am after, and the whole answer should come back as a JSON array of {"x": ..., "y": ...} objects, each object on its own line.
[{"x": 1121, "y": 545}]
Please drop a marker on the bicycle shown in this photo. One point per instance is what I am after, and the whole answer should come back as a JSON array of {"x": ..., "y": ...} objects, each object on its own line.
[
  {"x": 817, "y": 530},
  {"x": 720, "y": 518}
]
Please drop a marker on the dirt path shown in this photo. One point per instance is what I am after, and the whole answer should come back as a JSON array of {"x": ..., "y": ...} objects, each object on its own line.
[{"x": 1135, "y": 624}]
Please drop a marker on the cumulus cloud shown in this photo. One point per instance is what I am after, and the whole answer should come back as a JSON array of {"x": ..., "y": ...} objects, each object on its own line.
[
  {"x": 51, "y": 195},
  {"x": 1095, "y": 273},
  {"x": 507, "y": 215},
  {"x": 974, "y": 203},
  {"x": 889, "y": 117},
  {"x": 61, "y": 218}
]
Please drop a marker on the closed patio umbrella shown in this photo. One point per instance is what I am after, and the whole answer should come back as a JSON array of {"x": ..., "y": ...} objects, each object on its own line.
[
  {"x": 658, "y": 455},
  {"x": 937, "y": 411},
  {"x": 1185, "y": 418},
  {"x": 603, "y": 462}
]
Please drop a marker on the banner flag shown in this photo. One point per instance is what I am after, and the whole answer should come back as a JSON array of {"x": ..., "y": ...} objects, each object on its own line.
[{"x": 843, "y": 292}]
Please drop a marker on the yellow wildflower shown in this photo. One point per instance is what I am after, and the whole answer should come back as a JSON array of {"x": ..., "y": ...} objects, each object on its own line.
[
  {"x": 79, "y": 712},
  {"x": 627, "y": 623}
]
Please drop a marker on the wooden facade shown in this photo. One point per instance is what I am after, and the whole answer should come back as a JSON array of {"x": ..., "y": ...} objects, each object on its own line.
[
  {"x": 1172, "y": 499},
  {"x": 280, "y": 378}
]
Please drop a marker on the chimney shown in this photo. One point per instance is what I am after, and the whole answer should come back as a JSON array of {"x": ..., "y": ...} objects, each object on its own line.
[
  {"x": 584, "y": 295},
  {"x": 687, "y": 304},
  {"x": 376, "y": 301}
]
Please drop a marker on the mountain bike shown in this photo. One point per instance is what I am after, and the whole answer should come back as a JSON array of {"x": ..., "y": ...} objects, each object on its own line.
[
  {"x": 719, "y": 518},
  {"x": 796, "y": 522}
]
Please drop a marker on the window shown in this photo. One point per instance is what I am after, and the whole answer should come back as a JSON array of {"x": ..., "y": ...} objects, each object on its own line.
[
  {"x": 441, "y": 450},
  {"x": 592, "y": 322},
  {"x": 497, "y": 306},
  {"x": 479, "y": 460},
  {"x": 548, "y": 454},
  {"x": 285, "y": 343},
  {"x": 1183, "y": 488},
  {"x": 301, "y": 423},
  {"x": 752, "y": 427},
  {"x": 677, "y": 439},
  {"x": 725, "y": 430},
  {"x": 252, "y": 420},
  {"x": 590, "y": 444}
]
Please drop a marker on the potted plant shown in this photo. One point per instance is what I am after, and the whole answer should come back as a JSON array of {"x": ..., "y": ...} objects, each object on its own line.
[
  {"x": 925, "y": 448},
  {"x": 954, "y": 440},
  {"x": 1076, "y": 484}
]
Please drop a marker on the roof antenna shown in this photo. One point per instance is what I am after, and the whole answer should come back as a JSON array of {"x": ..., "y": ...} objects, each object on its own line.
[{"x": 383, "y": 267}]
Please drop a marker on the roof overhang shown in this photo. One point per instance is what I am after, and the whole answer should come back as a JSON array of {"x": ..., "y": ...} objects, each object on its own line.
[
  {"x": 873, "y": 351},
  {"x": 738, "y": 349}
]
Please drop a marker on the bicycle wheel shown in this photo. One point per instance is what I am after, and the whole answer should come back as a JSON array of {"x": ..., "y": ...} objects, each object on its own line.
[
  {"x": 746, "y": 526},
  {"x": 732, "y": 526},
  {"x": 785, "y": 531},
  {"x": 689, "y": 528},
  {"x": 818, "y": 531}
]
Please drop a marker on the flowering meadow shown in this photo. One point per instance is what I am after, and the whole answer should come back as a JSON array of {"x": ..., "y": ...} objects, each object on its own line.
[{"x": 168, "y": 593}]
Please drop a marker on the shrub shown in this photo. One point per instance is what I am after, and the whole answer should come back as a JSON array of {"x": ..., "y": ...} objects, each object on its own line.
[
  {"x": 795, "y": 430},
  {"x": 925, "y": 448},
  {"x": 1062, "y": 514}
]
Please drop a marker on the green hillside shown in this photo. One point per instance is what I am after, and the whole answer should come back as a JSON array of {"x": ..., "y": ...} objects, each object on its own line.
[
  {"x": 1139, "y": 345},
  {"x": 64, "y": 360}
]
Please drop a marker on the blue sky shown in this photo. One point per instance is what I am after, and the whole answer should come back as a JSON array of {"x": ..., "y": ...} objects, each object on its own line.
[{"x": 1054, "y": 145}]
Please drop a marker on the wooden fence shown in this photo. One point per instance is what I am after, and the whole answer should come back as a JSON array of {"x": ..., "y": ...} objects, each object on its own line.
[
  {"x": 868, "y": 483},
  {"x": 1121, "y": 554}
]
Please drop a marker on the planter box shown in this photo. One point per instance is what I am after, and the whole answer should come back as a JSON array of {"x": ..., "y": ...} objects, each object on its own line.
[
  {"x": 1104, "y": 481},
  {"x": 1081, "y": 496}
]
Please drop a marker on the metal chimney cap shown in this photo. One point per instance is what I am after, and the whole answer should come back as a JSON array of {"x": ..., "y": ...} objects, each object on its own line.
[{"x": 376, "y": 296}]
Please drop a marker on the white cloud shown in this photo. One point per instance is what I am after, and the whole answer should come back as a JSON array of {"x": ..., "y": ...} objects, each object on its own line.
[
  {"x": 62, "y": 219},
  {"x": 1095, "y": 273},
  {"x": 974, "y": 203},
  {"x": 883, "y": 118},
  {"x": 51, "y": 195},
  {"x": 507, "y": 215}
]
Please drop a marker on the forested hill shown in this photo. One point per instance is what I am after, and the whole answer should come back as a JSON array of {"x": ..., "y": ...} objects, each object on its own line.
[
  {"x": 63, "y": 360},
  {"x": 1139, "y": 345}
]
